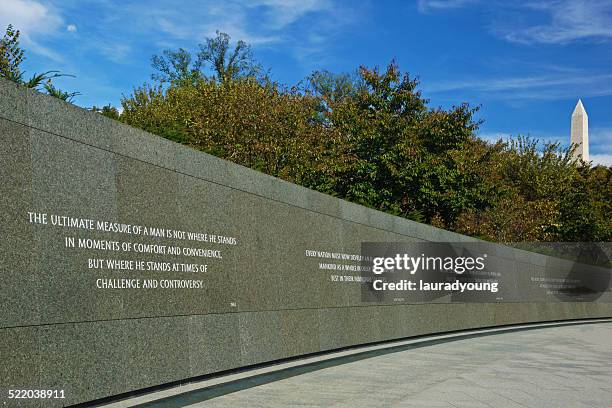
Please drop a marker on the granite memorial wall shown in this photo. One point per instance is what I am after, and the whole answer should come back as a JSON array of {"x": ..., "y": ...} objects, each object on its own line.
[{"x": 129, "y": 261}]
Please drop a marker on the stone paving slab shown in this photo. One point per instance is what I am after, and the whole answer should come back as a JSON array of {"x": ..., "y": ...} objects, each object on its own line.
[{"x": 568, "y": 367}]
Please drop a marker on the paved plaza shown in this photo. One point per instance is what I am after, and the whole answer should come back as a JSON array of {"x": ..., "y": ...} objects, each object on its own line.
[{"x": 562, "y": 367}]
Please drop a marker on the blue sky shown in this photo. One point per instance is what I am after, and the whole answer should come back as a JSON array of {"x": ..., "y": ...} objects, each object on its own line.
[{"x": 525, "y": 63}]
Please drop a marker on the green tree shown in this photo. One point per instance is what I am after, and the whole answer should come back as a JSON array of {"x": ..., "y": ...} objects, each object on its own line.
[
  {"x": 586, "y": 205},
  {"x": 544, "y": 196},
  {"x": 266, "y": 128},
  {"x": 11, "y": 55},
  {"x": 373, "y": 139},
  {"x": 229, "y": 64},
  {"x": 108, "y": 110},
  {"x": 216, "y": 55},
  {"x": 333, "y": 88},
  {"x": 176, "y": 67},
  {"x": 406, "y": 155},
  {"x": 11, "y": 58}
]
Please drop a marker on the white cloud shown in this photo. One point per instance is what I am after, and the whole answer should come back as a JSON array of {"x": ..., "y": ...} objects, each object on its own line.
[
  {"x": 236, "y": 19},
  {"x": 114, "y": 51},
  {"x": 495, "y": 136},
  {"x": 32, "y": 19},
  {"x": 161, "y": 22},
  {"x": 425, "y": 6},
  {"x": 558, "y": 21},
  {"x": 569, "y": 21},
  {"x": 29, "y": 16},
  {"x": 257, "y": 22},
  {"x": 541, "y": 137},
  {"x": 552, "y": 85},
  {"x": 282, "y": 13},
  {"x": 600, "y": 141},
  {"x": 603, "y": 159}
]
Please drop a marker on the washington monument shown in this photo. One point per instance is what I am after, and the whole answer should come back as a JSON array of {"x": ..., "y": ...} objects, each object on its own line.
[{"x": 580, "y": 132}]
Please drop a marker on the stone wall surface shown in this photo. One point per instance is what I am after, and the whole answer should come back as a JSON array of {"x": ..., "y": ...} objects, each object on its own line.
[{"x": 262, "y": 298}]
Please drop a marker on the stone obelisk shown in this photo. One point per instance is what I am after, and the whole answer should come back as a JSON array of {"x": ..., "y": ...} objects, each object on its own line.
[{"x": 580, "y": 132}]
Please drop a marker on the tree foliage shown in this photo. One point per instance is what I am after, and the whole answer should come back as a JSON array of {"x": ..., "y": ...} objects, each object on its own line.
[
  {"x": 11, "y": 55},
  {"x": 215, "y": 60},
  {"x": 176, "y": 67},
  {"x": 262, "y": 127},
  {"x": 372, "y": 138},
  {"x": 545, "y": 197},
  {"x": 108, "y": 110},
  {"x": 11, "y": 58},
  {"x": 408, "y": 159},
  {"x": 333, "y": 88}
]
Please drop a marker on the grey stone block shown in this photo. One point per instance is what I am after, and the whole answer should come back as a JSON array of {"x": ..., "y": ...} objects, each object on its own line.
[
  {"x": 292, "y": 194},
  {"x": 21, "y": 358},
  {"x": 381, "y": 220},
  {"x": 79, "y": 181},
  {"x": 323, "y": 204},
  {"x": 158, "y": 351},
  {"x": 354, "y": 212},
  {"x": 13, "y": 102},
  {"x": 71, "y": 122},
  {"x": 214, "y": 343},
  {"x": 251, "y": 181},
  {"x": 85, "y": 350},
  {"x": 203, "y": 166},
  {"x": 335, "y": 326},
  {"x": 261, "y": 337},
  {"x": 411, "y": 230},
  {"x": 71, "y": 178},
  {"x": 300, "y": 332},
  {"x": 20, "y": 283},
  {"x": 144, "y": 147}
]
